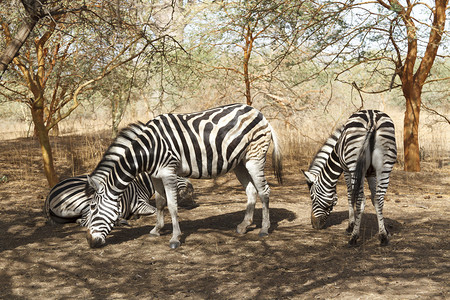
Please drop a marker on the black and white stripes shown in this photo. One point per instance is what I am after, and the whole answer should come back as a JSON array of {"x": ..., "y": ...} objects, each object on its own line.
[
  {"x": 200, "y": 145},
  {"x": 363, "y": 147},
  {"x": 67, "y": 201}
]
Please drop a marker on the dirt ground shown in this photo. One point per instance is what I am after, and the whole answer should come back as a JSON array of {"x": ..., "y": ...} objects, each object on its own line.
[{"x": 39, "y": 261}]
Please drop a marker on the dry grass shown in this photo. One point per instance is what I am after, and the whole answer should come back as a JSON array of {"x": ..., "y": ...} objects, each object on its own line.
[
  {"x": 79, "y": 148},
  {"x": 73, "y": 155}
]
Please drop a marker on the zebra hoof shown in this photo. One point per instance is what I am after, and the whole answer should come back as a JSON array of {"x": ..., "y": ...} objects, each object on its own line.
[
  {"x": 241, "y": 229},
  {"x": 174, "y": 245},
  {"x": 152, "y": 234},
  {"x": 349, "y": 229},
  {"x": 384, "y": 240},
  {"x": 353, "y": 241},
  {"x": 263, "y": 234}
]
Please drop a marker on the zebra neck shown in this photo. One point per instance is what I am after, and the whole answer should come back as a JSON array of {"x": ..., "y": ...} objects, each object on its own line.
[
  {"x": 323, "y": 154},
  {"x": 127, "y": 156},
  {"x": 331, "y": 170}
]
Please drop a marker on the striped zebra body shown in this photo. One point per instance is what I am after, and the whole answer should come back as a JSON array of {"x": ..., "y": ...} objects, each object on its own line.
[
  {"x": 363, "y": 148},
  {"x": 200, "y": 145},
  {"x": 67, "y": 202}
]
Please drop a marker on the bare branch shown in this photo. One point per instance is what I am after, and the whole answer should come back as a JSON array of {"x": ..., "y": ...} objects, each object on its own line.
[{"x": 435, "y": 112}]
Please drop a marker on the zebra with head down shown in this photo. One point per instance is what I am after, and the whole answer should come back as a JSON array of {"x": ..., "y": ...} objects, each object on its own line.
[
  {"x": 363, "y": 148},
  {"x": 204, "y": 144},
  {"x": 67, "y": 201}
]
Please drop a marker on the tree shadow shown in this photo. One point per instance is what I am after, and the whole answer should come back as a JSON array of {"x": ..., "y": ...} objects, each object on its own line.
[
  {"x": 226, "y": 223},
  {"x": 369, "y": 224},
  {"x": 11, "y": 233}
]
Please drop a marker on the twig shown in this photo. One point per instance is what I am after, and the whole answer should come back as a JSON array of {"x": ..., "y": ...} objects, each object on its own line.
[{"x": 435, "y": 112}]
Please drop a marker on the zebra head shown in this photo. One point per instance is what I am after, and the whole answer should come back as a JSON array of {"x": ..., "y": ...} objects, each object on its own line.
[
  {"x": 323, "y": 201},
  {"x": 104, "y": 212}
]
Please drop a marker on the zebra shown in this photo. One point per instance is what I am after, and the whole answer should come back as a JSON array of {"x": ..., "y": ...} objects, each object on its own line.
[
  {"x": 67, "y": 201},
  {"x": 204, "y": 144},
  {"x": 363, "y": 147},
  {"x": 185, "y": 194}
]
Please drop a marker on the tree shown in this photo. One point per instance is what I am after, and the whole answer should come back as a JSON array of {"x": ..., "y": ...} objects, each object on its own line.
[
  {"x": 412, "y": 79},
  {"x": 34, "y": 12},
  {"x": 57, "y": 64},
  {"x": 260, "y": 31},
  {"x": 407, "y": 35}
]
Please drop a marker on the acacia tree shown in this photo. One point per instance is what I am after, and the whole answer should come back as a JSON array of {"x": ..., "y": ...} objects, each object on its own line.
[
  {"x": 251, "y": 38},
  {"x": 403, "y": 35},
  {"x": 58, "y": 63},
  {"x": 412, "y": 79}
]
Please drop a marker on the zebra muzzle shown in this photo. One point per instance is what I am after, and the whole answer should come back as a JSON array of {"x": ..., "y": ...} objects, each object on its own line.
[
  {"x": 94, "y": 241},
  {"x": 319, "y": 222}
]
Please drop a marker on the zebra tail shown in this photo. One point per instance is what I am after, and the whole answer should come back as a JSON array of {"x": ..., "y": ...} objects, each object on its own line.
[
  {"x": 361, "y": 164},
  {"x": 277, "y": 158}
]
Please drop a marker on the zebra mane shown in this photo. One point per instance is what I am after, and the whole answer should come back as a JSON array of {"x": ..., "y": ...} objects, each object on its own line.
[
  {"x": 119, "y": 147},
  {"x": 321, "y": 157}
]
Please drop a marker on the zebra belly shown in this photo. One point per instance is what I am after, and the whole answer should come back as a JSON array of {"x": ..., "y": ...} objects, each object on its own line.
[{"x": 206, "y": 172}]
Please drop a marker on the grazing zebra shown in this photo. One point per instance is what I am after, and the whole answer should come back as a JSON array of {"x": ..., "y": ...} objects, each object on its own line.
[
  {"x": 363, "y": 147},
  {"x": 67, "y": 201},
  {"x": 204, "y": 144}
]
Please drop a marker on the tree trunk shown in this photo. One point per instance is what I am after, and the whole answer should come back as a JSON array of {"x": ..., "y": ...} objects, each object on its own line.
[
  {"x": 248, "y": 95},
  {"x": 247, "y": 53},
  {"x": 37, "y": 112},
  {"x": 411, "y": 132}
]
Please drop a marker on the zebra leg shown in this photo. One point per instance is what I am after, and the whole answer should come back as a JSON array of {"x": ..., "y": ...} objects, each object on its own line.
[
  {"x": 160, "y": 204},
  {"x": 378, "y": 202},
  {"x": 256, "y": 171},
  {"x": 351, "y": 211},
  {"x": 245, "y": 179},
  {"x": 169, "y": 183},
  {"x": 359, "y": 210}
]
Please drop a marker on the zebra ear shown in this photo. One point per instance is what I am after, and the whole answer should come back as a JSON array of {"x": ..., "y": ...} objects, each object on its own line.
[
  {"x": 310, "y": 178},
  {"x": 94, "y": 184}
]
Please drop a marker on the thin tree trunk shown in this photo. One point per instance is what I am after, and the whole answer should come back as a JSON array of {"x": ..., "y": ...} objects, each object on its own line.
[
  {"x": 248, "y": 95},
  {"x": 247, "y": 54},
  {"x": 42, "y": 133},
  {"x": 411, "y": 132}
]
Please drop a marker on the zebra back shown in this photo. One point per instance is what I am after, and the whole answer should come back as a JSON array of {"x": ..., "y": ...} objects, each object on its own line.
[
  {"x": 66, "y": 201},
  {"x": 207, "y": 144}
]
